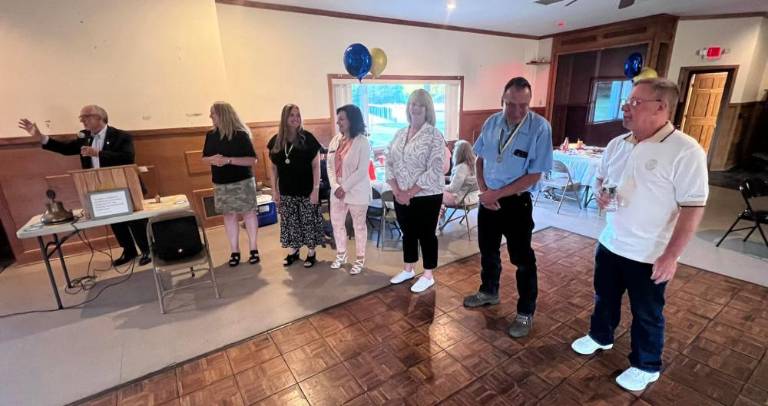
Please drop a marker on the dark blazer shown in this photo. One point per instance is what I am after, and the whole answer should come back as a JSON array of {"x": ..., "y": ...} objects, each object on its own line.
[{"x": 117, "y": 149}]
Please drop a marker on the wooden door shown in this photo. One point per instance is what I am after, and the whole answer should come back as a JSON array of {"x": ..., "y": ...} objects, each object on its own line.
[{"x": 703, "y": 105}]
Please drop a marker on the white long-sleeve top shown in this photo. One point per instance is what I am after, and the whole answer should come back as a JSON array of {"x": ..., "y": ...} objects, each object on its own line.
[
  {"x": 354, "y": 170},
  {"x": 463, "y": 181},
  {"x": 418, "y": 161}
]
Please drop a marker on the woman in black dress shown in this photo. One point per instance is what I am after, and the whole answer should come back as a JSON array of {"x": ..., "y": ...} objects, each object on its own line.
[{"x": 295, "y": 157}]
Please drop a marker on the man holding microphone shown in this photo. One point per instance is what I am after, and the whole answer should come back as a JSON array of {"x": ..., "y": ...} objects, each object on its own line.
[{"x": 101, "y": 146}]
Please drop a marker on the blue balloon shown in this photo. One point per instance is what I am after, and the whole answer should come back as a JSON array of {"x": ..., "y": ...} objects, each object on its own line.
[
  {"x": 357, "y": 60},
  {"x": 633, "y": 65}
]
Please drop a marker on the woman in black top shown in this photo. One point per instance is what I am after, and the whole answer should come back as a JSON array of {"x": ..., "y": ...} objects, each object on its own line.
[
  {"x": 295, "y": 157},
  {"x": 229, "y": 151}
]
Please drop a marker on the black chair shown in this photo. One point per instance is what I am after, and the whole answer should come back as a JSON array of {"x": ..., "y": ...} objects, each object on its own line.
[
  {"x": 381, "y": 211},
  {"x": 750, "y": 189}
]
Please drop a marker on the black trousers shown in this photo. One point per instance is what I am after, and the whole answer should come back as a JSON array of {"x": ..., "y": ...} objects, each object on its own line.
[
  {"x": 614, "y": 275},
  {"x": 129, "y": 232},
  {"x": 514, "y": 220},
  {"x": 418, "y": 222}
]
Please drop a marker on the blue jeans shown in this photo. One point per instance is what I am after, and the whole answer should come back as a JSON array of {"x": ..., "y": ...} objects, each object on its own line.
[{"x": 613, "y": 275}]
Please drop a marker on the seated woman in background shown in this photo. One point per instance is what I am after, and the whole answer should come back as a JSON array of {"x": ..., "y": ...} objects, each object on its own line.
[
  {"x": 295, "y": 156},
  {"x": 229, "y": 151},
  {"x": 348, "y": 158},
  {"x": 463, "y": 180}
]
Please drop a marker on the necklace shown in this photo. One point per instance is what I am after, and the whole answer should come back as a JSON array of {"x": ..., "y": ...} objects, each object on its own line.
[{"x": 288, "y": 154}]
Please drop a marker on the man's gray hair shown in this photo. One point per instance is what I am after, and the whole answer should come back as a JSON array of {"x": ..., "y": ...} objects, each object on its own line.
[
  {"x": 664, "y": 89},
  {"x": 100, "y": 110}
]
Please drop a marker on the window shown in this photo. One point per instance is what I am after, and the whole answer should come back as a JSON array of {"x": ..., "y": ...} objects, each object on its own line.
[
  {"x": 608, "y": 95},
  {"x": 383, "y": 103}
]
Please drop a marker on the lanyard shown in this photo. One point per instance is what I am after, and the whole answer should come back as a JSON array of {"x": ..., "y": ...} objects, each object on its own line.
[{"x": 501, "y": 148}]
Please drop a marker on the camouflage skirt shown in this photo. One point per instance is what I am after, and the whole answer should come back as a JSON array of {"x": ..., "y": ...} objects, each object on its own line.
[{"x": 235, "y": 197}]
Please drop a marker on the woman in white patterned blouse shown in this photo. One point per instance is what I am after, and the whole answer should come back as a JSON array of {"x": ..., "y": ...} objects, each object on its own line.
[{"x": 414, "y": 170}]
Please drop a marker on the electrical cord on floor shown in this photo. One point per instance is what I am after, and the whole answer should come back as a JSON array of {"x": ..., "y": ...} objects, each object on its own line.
[{"x": 87, "y": 282}]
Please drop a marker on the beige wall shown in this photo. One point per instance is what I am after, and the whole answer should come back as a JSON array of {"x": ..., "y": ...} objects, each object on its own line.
[
  {"x": 746, "y": 40},
  {"x": 273, "y": 58},
  {"x": 160, "y": 63},
  {"x": 150, "y": 63}
]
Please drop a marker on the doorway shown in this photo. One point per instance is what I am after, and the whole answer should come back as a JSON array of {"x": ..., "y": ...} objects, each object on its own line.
[{"x": 705, "y": 94}]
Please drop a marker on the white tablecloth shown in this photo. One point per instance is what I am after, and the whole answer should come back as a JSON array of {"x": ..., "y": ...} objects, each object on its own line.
[{"x": 583, "y": 166}]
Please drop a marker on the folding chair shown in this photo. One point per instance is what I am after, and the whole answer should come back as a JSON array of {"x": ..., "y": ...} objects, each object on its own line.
[
  {"x": 384, "y": 215},
  {"x": 168, "y": 230},
  {"x": 750, "y": 189},
  {"x": 559, "y": 178},
  {"x": 465, "y": 206}
]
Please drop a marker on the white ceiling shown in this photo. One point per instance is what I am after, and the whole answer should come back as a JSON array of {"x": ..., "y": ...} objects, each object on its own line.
[{"x": 525, "y": 16}]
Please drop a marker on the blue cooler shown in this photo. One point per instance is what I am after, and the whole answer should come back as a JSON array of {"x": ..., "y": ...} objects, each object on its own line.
[{"x": 267, "y": 210}]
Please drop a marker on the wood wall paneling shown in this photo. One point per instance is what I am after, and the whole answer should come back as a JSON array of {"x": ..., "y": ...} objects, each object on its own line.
[{"x": 653, "y": 34}]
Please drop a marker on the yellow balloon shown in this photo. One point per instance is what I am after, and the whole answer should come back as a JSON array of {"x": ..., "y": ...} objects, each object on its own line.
[
  {"x": 378, "y": 62},
  {"x": 645, "y": 73}
]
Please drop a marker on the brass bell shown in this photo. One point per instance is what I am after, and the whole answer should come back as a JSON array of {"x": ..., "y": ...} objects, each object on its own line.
[{"x": 55, "y": 211}]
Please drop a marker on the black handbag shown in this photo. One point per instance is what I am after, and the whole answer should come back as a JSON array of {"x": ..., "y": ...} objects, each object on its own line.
[{"x": 176, "y": 239}]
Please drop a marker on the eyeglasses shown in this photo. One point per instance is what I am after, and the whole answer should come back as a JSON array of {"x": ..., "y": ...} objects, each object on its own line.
[
  {"x": 82, "y": 116},
  {"x": 636, "y": 102}
]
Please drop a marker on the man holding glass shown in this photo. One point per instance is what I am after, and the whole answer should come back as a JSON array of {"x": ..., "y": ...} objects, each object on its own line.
[
  {"x": 658, "y": 176},
  {"x": 99, "y": 146}
]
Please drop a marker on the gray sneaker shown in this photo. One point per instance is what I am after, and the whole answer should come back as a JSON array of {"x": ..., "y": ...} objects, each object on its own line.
[
  {"x": 522, "y": 326},
  {"x": 480, "y": 299}
]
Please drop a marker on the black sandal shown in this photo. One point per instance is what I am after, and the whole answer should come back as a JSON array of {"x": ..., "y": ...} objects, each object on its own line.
[
  {"x": 254, "y": 258},
  {"x": 234, "y": 259},
  {"x": 291, "y": 258},
  {"x": 310, "y": 261}
]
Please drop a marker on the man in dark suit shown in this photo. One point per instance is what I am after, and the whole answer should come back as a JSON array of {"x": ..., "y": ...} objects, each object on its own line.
[{"x": 101, "y": 146}]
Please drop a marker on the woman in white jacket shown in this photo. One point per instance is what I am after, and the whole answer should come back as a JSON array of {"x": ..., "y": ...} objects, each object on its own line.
[{"x": 348, "y": 156}]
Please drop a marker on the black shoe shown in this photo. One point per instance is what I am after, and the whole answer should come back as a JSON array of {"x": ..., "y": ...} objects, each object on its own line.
[
  {"x": 254, "y": 258},
  {"x": 145, "y": 259},
  {"x": 234, "y": 259},
  {"x": 124, "y": 259},
  {"x": 291, "y": 258},
  {"x": 310, "y": 261}
]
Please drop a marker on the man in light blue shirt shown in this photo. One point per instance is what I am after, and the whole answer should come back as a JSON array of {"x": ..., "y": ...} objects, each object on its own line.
[{"x": 513, "y": 150}]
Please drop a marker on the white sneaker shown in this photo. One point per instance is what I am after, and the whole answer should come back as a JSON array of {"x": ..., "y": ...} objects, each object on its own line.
[
  {"x": 587, "y": 346},
  {"x": 402, "y": 277},
  {"x": 422, "y": 284},
  {"x": 340, "y": 260},
  {"x": 634, "y": 379}
]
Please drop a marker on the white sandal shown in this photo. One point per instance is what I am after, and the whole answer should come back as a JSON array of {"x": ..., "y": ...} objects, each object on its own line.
[
  {"x": 357, "y": 267},
  {"x": 340, "y": 260}
]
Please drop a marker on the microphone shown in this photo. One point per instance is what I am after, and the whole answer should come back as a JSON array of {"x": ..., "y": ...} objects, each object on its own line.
[{"x": 87, "y": 137}]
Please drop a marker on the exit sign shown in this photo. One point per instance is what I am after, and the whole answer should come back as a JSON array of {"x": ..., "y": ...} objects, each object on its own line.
[{"x": 711, "y": 53}]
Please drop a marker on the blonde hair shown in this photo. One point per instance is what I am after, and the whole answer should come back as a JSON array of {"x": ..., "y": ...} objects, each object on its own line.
[
  {"x": 664, "y": 89},
  {"x": 282, "y": 132},
  {"x": 422, "y": 97},
  {"x": 229, "y": 121},
  {"x": 463, "y": 153}
]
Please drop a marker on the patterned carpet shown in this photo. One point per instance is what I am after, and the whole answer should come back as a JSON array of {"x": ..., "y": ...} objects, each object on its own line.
[{"x": 393, "y": 347}]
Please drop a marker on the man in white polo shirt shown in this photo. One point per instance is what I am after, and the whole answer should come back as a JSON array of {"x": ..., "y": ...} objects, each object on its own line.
[{"x": 660, "y": 180}]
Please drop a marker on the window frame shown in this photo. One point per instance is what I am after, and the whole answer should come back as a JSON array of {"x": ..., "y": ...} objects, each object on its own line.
[
  {"x": 593, "y": 98},
  {"x": 400, "y": 78}
]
